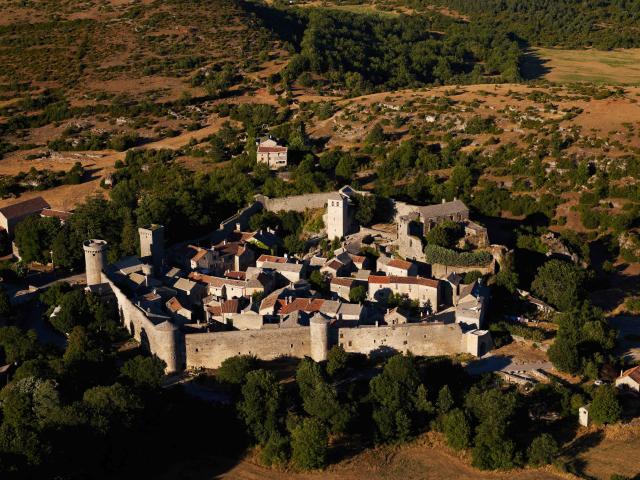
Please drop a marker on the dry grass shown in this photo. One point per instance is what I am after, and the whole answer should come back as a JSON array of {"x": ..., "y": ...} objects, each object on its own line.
[{"x": 593, "y": 66}]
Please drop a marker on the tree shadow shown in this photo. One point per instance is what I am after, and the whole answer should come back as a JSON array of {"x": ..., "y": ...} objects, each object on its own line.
[{"x": 532, "y": 66}]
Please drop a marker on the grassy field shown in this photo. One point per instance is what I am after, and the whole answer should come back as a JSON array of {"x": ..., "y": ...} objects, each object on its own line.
[{"x": 594, "y": 66}]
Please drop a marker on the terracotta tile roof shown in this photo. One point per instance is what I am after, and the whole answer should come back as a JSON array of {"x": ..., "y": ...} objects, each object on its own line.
[
  {"x": 381, "y": 279},
  {"x": 357, "y": 258},
  {"x": 305, "y": 304},
  {"x": 633, "y": 373},
  {"x": 174, "y": 305},
  {"x": 199, "y": 277},
  {"x": 26, "y": 207},
  {"x": 334, "y": 264},
  {"x": 271, "y": 258},
  {"x": 230, "y": 306},
  {"x": 398, "y": 263},
  {"x": 262, "y": 149},
  {"x": 270, "y": 300},
  {"x": 230, "y": 248},
  {"x": 199, "y": 254},
  {"x": 236, "y": 275},
  {"x": 215, "y": 310},
  {"x": 48, "y": 212},
  {"x": 343, "y": 281}
]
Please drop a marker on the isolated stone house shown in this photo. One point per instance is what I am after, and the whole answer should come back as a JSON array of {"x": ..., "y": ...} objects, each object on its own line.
[
  {"x": 271, "y": 154},
  {"x": 11, "y": 215}
]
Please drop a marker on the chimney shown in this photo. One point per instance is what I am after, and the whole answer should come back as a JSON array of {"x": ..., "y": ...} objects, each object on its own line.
[
  {"x": 238, "y": 227},
  {"x": 224, "y": 242},
  {"x": 443, "y": 200}
]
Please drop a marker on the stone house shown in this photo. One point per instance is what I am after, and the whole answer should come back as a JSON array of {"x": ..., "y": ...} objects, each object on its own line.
[
  {"x": 342, "y": 286},
  {"x": 271, "y": 154},
  {"x": 178, "y": 311},
  {"x": 202, "y": 258},
  {"x": 11, "y": 215},
  {"x": 396, "y": 316},
  {"x": 470, "y": 308},
  {"x": 334, "y": 268},
  {"x": 396, "y": 267},
  {"x": 426, "y": 291}
]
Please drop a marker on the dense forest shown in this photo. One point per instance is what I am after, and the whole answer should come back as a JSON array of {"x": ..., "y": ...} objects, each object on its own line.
[
  {"x": 568, "y": 23},
  {"x": 366, "y": 52}
]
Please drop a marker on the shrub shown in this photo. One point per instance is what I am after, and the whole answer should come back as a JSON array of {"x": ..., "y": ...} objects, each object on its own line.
[
  {"x": 542, "y": 451},
  {"x": 445, "y": 256}
]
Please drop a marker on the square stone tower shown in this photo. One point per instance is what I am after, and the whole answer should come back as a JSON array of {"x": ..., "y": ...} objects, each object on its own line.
[
  {"x": 337, "y": 216},
  {"x": 152, "y": 245}
]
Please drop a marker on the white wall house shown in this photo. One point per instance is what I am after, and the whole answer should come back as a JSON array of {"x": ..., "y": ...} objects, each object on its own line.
[{"x": 271, "y": 154}]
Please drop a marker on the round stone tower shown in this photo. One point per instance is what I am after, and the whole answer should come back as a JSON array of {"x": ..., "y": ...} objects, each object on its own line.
[
  {"x": 319, "y": 332},
  {"x": 168, "y": 345},
  {"x": 95, "y": 259}
]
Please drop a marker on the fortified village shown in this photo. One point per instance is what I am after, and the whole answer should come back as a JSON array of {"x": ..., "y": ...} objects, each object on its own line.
[{"x": 231, "y": 293}]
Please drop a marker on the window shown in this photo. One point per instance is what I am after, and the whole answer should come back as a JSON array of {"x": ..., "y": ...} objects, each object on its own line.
[
  {"x": 292, "y": 345},
  {"x": 349, "y": 342},
  {"x": 404, "y": 343}
]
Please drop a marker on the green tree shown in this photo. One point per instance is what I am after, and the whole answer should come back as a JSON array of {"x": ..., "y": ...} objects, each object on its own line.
[
  {"x": 74, "y": 310},
  {"x": 365, "y": 207},
  {"x": 234, "y": 370},
  {"x": 542, "y": 451},
  {"x": 445, "y": 234},
  {"x": 457, "y": 429},
  {"x": 376, "y": 135},
  {"x": 18, "y": 346},
  {"x": 445, "y": 400},
  {"x": 34, "y": 238},
  {"x": 309, "y": 444},
  {"x": 605, "y": 406},
  {"x": 319, "y": 399},
  {"x": 560, "y": 283},
  {"x": 493, "y": 409},
  {"x": 399, "y": 398},
  {"x": 358, "y": 294},
  {"x": 260, "y": 405},
  {"x": 337, "y": 360},
  {"x": 144, "y": 372}
]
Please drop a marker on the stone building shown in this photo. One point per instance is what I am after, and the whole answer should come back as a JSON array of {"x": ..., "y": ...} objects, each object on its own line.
[
  {"x": 152, "y": 245},
  {"x": 339, "y": 218},
  {"x": 414, "y": 222},
  {"x": 426, "y": 291},
  {"x": 630, "y": 379},
  {"x": 271, "y": 154},
  {"x": 11, "y": 215}
]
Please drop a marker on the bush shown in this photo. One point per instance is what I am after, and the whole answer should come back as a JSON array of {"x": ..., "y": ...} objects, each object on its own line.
[
  {"x": 276, "y": 451},
  {"x": 445, "y": 256},
  {"x": 542, "y": 451}
]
